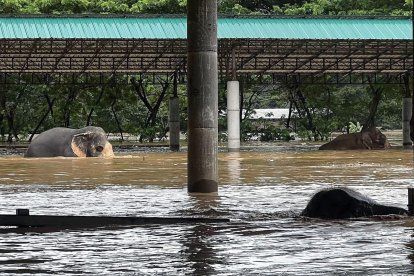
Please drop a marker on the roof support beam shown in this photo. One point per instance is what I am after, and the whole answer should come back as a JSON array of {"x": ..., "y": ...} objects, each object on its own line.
[
  {"x": 282, "y": 59},
  {"x": 306, "y": 61},
  {"x": 69, "y": 45},
  {"x": 33, "y": 49},
  {"x": 255, "y": 56},
  {"x": 378, "y": 56},
  {"x": 99, "y": 48},
  {"x": 125, "y": 57}
]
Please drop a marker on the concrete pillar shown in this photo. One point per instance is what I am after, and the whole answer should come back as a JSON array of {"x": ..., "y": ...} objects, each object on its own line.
[
  {"x": 406, "y": 117},
  {"x": 202, "y": 88},
  {"x": 3, "y": 90},
  {"x": 233, "y": 116},
  {"x": 410, "y": 201},
  {"x": 412, "y": 118},
  {"x": 174, "y": 124},
  {"x": 412, "y": 79}
]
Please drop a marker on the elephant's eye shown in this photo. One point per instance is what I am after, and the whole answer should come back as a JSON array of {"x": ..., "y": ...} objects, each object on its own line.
[{"x": 99, "y": 148}]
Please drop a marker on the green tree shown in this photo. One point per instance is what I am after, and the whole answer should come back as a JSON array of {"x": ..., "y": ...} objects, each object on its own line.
[
  {"x": 350, "y": 7},
  {"x": 160, "y": 6}
]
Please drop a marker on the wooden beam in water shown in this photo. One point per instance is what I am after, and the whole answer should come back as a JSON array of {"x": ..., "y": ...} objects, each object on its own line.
[{"x": 23, "y": 219}]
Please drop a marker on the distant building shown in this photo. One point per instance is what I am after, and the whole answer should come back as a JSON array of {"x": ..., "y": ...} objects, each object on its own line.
[{"x": 275, "y": 115}]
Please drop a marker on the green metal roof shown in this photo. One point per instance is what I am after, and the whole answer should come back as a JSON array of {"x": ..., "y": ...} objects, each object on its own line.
[{"x": 175, "y": 28}]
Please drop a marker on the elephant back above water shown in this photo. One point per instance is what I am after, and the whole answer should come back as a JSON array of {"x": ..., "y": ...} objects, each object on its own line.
[
  {"x": 343, "y": 203},
  {"x": 371, "y": 138},
  {"x": 85, "y": 142}
]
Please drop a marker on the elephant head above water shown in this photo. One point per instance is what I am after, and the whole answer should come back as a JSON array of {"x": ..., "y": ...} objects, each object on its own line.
[
  {"x": 370, "y": 138},
  {"x": 343, "y": 203},
  {"x": 85, "y": 142}
]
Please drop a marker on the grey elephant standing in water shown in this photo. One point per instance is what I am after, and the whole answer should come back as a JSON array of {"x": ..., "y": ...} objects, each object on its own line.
[
  {"x": 343, "y": 203},
  {"x": 370, "y": 138},
  {"x": 85, "y": 142}
]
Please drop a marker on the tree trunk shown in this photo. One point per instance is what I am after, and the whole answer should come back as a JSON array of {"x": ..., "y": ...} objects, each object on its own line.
[
  {"x": 406, "y": 88},
  {"x": 241, "y": 87},
  {"x": 116, "y": 118},
  {"x": 88, "y": 121},
  {"x": 142, "y": 95},
  {"x": 299, "y": 101},
  {"x": 289, "y": 115},
  {"x": 70, "y": 98},
  {"x": 10, "y": 116},
  {"x": 376, "y": 93},
  {"x": 248, "y": 106},
  {"x": 151, "y": 119},
  {"x": 49, "y": 110}
]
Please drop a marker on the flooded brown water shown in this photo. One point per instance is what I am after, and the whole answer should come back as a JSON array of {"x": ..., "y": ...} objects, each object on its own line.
[{"x": 260, "y": 191}]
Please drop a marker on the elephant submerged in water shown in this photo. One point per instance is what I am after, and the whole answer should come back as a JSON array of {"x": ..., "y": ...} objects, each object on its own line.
[
  {"x": 343, "y": 203},
  {"x": 85, "y": 142},
  {"x": 370, "y": 138}
]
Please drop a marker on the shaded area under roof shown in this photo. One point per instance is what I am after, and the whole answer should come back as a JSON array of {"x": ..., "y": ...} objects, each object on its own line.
[{"x": 228, "y": 28}]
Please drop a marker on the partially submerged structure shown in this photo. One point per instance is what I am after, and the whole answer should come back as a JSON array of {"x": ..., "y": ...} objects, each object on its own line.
[{"x": 331, "y": 50}]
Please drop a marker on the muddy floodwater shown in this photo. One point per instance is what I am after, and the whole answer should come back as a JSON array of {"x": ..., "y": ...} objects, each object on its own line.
[{"x": 260, "y": 191}]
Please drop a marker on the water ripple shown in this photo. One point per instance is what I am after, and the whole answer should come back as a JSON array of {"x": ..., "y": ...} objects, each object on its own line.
[{"x": 262, "y": 192}]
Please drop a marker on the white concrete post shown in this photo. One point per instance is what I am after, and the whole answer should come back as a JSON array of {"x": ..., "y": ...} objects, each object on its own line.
[
  {"x": 406, "y": 117},
  {"x": 233, "y": 116}
]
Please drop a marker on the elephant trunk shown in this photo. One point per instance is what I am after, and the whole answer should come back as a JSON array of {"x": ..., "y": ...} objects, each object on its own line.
[{"x": 382, "y": 210}]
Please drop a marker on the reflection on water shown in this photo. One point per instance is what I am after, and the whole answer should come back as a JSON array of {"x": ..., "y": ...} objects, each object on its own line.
[
  {"x": 262, "y": 192},
  {"x": 233, "y": 167}
]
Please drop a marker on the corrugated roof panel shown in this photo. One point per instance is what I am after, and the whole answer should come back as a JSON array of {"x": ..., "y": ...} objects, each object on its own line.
[
  {"x": 266, "y": 27},
  {"x": 140, "y": 29},
  {"x": 148, "y": 29},
  {"x": 355, "y": 29},
  {"x": 108, "y": 29},
  {"x": 125, "y": 30},
  {"x": 97, "y": 28},
  {"x": 367, "y": 31},
  {"x": 389, "y": 32},
  {"x": 286, "y": 27},
  {"x": 78, "y": 30},
  {"x": 31, "y": 29},
  {"x": 165, "y": 28},
  {"x": 224, "y": 27},
  {"x": 54, "y": 29},
  {"x": 325, "y": 29},
  {"x": 400, "y": 29},
  {"x": 57, "y": 30},
  {"x": 342, "y": 28},
  {"x": 250, "y": 29},
  {"x": 104, "y": 29}
]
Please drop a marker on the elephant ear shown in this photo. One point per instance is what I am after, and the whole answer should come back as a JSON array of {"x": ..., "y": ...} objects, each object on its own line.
[{"x": 79, "y": 143}]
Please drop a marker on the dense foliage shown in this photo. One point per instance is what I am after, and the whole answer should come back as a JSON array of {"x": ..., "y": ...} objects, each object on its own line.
[
  {"x": 288, "y": 7},
  {"x": 140, "y": 107}
]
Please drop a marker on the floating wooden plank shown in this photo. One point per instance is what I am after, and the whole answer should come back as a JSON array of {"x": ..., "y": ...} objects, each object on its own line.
[{"x": 24, "y": 219}]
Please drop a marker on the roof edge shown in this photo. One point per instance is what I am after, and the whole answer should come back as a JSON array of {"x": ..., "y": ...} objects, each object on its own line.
[{"x": 95, "y": 15}]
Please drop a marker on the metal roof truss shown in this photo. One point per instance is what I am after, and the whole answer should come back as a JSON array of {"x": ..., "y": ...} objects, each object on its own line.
[{"x": 252, "y": 56}]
